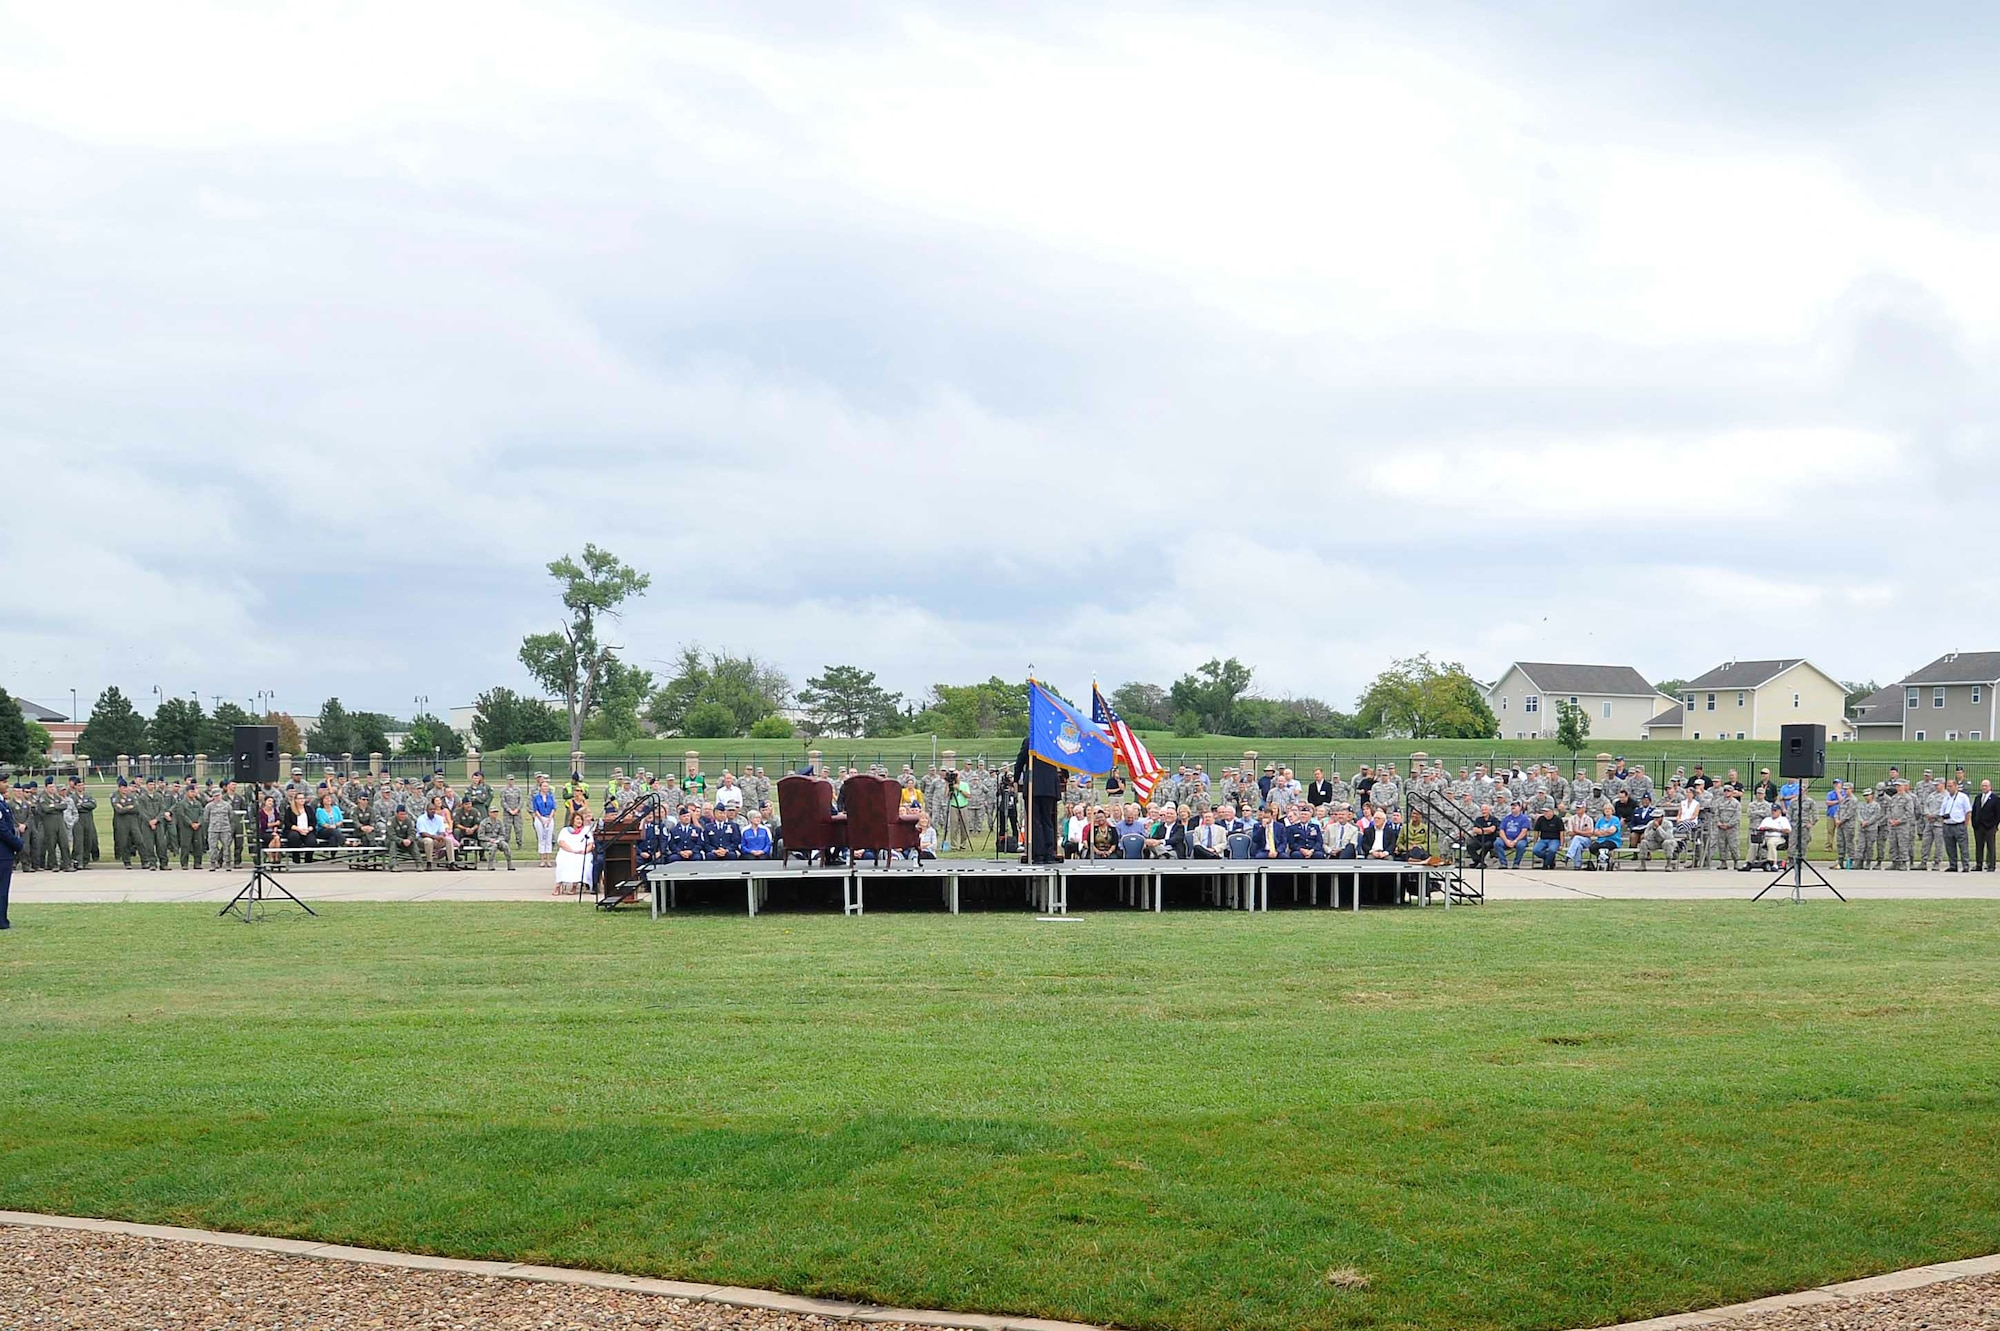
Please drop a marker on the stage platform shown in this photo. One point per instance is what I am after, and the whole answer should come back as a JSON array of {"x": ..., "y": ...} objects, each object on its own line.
[{"x": 1139, "y": 884}]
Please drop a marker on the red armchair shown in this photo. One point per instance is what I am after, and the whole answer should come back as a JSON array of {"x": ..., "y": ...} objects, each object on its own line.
[
  {"x": 875, "y": 820},
  {"x": 806, "y": 819}
]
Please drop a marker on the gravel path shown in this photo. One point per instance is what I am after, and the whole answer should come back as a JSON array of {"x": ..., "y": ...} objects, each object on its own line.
[
  {"x": 1970, "y": 1304},
  {"x": 69, "y": 1280},
  {"x": 76, "y": 1280}
]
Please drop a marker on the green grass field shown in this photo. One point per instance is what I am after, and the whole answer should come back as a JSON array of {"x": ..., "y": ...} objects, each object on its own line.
[{"x": 1525, "y": 1116}]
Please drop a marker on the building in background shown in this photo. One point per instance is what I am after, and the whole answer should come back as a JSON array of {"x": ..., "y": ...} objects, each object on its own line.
[
  {"x": 1752, "y": 700},
  {"x": 1949, "y": 700},
  {"x": 1617, "y": 699},
  {"x": 63, "y": 732}
]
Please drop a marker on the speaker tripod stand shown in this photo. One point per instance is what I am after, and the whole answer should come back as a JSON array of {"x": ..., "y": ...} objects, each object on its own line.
[
  {"x": 1795, "y": 876},
  {"x": 263, "y": 886}
]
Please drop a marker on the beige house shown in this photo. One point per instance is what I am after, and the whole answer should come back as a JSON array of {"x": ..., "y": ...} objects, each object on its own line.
[
  {"x": 1752, "y": 700},
  {"x": 1617, "y": 699}
]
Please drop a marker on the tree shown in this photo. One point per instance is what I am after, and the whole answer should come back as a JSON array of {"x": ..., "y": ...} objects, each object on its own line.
[
  {"x": 1858, "y": 692},
  {"x": 570, "y": 661},
  {"x": 1210, "y": 693},
  {"x": 1671, "y": 687},
  {"x": 218, "y": 732},
  {"x": 1572, "y": 726},
  {"x": 1143, "y": 706},
  {"x": 428, "y": 735},
  {"x": 115, "y": 727},
  {"x": 772, "y": 727},
  {"x": 709, "y": 720},
  {"x": 333, "y": 733},
  {"x": 973, "y": 709},
  {"x": 176, "y": 727},
  {"x": 289, "y": 738},
  {"x": 39, "y": 740},
  {"x": 845, "y": 700},
  {"x": 504, "y": 718},
  {"x": 750, "y": 688},
  {"x": 621, "y": 691},
  {"x": 14, "y": 741},
  {"x": 369, "y": 732},
  {"x": 1421, "y": 699}
]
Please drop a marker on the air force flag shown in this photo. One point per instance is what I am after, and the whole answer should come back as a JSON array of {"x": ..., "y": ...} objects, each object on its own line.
[{"x": 1059, "y": 734}]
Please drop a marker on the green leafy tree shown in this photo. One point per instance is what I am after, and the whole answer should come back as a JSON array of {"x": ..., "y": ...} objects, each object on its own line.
[
  {"x": 1671, "y": 687},
  {"x": 709, "y": 720},
  {"x": 846, "y": 700},
  {"x": 1858, "y": 692},
  {"x": 369, "y": 732},
  {"x": 1144, "y": 706},
  {"x": 570, "y": 661},
  {"x": 750, "y": 688},
  {"x": 115, "y": 727},
  {"x": 772, "y": 727},
  {"x": 39, "y": 740},
  {"x": 621, "y": 691},
  {"x": 14, "y": 741},
  {"x": 1418, "y": 698},
  {"x": 504, "y": 718},
  {"x": 218, "y": 732},
  {"x": 1572, "y": 726},
  {"x": 176, "y": 726},
  {"x": 1210, "y": 692},
  {"x": 333, "y": 732},
  {"x": 429, "y": 736},
  {"x": 994, "y": 707}
]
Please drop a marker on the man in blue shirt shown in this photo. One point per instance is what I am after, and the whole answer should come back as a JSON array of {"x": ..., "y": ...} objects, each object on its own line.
[
  {"x": 1515, "y": 832},
  {"x": 724, "y": 838},
  {"x": 1304, "y": 840},
  {"x": 685, "y": 842}
]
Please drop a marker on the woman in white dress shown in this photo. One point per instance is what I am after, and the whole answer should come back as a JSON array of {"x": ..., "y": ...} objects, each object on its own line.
[{"x": 573, "y": 853}]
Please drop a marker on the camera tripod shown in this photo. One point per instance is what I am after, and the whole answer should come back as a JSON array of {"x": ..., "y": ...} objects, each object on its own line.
[{"x": 263, "y": 886}]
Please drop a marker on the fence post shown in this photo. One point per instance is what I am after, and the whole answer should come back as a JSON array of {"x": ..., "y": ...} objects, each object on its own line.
[{"x": 374, "y": 764}]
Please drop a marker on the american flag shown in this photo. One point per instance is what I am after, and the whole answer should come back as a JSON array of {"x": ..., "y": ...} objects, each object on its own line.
[{"x": 1138, "y": 760}]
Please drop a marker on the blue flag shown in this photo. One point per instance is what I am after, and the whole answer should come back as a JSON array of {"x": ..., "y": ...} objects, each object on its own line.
[{"x": 1059, "y": 734}]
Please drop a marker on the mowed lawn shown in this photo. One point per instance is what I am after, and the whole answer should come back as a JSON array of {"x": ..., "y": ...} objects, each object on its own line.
[{"x": 1518, "y": 1116}]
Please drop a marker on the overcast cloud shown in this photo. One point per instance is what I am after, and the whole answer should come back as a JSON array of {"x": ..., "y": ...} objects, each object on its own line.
[{"x": 946, "y": 339}]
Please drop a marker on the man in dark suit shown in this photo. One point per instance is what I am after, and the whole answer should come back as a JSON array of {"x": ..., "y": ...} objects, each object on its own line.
[
  {"x": 1320, "y": 792},
  {"x": 1044, "y": 783},
  {"x": 1985, "y": 819},
  {"x": 10, "y": 846}
]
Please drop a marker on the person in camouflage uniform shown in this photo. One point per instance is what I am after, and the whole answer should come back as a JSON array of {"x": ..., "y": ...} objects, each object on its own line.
[
  {"x": 1657, "y": 839},
  {"x": 490, "y": 840},
  {"x": 1902, "y": 817},
  {"x": 1930, "y": 824},
  {"x": 1805, "y": 816},
  {"x": 84, "y": 833},
  {"x": 124, "y": 822},
  {"x": 219, "y": 816},
  {"x": 1846, "y": 827},
  {"x": 1870, "y": 824}
]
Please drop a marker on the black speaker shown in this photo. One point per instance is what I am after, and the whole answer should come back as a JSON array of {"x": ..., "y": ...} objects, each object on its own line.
[
  {"x": 1802, "y": 751},
  {"x": 256, "y": 758}
]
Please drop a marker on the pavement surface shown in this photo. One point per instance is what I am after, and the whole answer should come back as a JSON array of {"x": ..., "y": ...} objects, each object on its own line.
[{"x": 329, "y": 882}]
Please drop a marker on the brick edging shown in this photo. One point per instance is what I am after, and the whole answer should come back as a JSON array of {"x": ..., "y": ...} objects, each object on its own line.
[
  {"x": 734, "y": 1296},
  {"x": 1915, "y": 1277}
]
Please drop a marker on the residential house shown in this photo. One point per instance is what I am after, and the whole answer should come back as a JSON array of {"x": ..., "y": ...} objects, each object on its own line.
[
  {"x": 1950, "y": 699},
  {"x": 1617, "y": 699},
  {"x": 1753, "y": 699}
]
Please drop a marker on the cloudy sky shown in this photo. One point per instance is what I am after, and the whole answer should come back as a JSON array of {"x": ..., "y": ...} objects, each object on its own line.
[{"x": 945, "y": 339}]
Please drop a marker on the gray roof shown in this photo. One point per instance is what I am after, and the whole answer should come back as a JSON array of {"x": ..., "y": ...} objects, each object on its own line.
[
  {"x": 1884, "y": 707},
  {"x": 1617, "y": 681},
  {"x": 1671, "y": 717},
  {"x": 37, "y": 713},
  {"x": 1742, "y": 674},
  {"x": 1958, "y": 668}
]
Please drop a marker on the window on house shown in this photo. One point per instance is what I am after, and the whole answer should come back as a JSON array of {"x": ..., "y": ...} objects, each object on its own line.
[
  {"x": 1937, "y": 697},
  {"x": 1697, "y": 734},
  {"x": 1795, "y": 702},
  {"x": 1739, "y": 734},
  {"x": 1711, "y": 702},
  {"x": 1920, "y": 737},
  {"x": 1975, "y": 693},
  {"x": 1951, "y": 737},
  {"x": 1976, "y": 737},
  {"x": 1607, "y": 711},
  {"x": 1739, "y": 697},
  {"x": 1687, "y": 701},
  {"x": 1531, "y": 704},
  {"x": 1572, "y": 700},
  {"x": 1503, "y": 704},
  {"x": 1910, "y": 697}
]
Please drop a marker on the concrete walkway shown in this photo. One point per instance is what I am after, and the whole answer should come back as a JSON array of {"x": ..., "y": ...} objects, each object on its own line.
[{"x": 530, "y": 883}]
